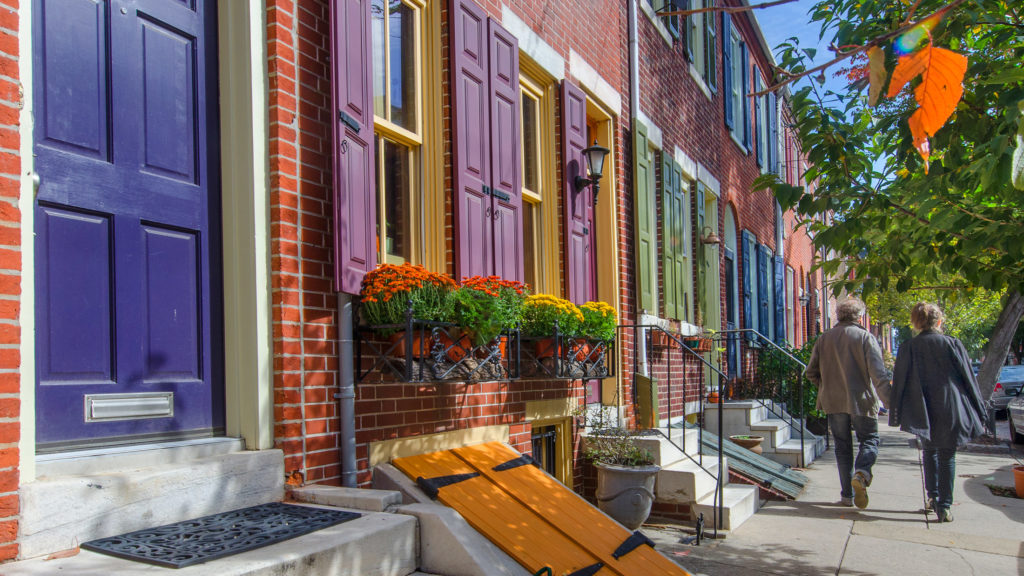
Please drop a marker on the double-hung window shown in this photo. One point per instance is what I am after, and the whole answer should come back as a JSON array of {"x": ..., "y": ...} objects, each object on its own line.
[
  {"x": 539, "y": 188},
  {"x": 700, "y": 41},
  {"x": 397, "y": 35},
  {"x": 735, "y": 82}
]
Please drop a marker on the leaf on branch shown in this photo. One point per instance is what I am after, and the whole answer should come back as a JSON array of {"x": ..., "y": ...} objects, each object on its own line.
[
  {"x": 876, "y": 73},
  {"x": 942, "y": 75}
]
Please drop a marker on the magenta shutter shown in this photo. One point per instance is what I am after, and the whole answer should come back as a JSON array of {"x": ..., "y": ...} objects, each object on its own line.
[
  {"x": 470, "y": 99},
  {"x": 355, "y": 208},
  {"x": 505, "y": 151},
  {"x": 578, "y": 206}
]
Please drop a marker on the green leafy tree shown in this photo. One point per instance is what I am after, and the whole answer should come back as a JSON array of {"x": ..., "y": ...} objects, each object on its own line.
[{"x": 897, "y": 207}]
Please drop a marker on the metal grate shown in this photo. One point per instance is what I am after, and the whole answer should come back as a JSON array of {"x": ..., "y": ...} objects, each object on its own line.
[{"x": 196, "y": 541}]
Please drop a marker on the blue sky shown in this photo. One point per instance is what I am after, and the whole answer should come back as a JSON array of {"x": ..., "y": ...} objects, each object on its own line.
[{"x": 779, "y": 23}]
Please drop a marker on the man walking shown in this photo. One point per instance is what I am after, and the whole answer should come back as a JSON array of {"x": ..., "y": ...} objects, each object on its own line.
[{"x": 846, "y": 366}]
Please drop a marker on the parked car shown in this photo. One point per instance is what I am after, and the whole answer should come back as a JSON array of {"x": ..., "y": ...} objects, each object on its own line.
[
  {"x": 1015, "y": 416},
  {"x": 1010, "y": 381}
]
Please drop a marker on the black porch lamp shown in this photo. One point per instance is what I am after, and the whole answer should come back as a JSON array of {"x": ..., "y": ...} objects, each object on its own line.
[
  {"x": 804, "y": 299},
  {"x": 594, "y": 156}
]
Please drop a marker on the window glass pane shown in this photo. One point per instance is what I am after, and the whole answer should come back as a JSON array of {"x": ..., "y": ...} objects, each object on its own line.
[
  {"x": 531, "y": 257},
  {"x": 379, "y": 63},
  {"x": 531, "y": 161},
  {"x": 396, "y": 177},
  {"x": 402, "y": 54}
]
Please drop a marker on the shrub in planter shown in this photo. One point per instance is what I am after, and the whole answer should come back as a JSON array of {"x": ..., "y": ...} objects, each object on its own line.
[
  {"x": 625, "y": 475},
  {"x": 599, "y": 321},
  {"x": 388, "y": 290},
  {"x": 541, "y": 312},
  {"x": 487, "y": 305}
]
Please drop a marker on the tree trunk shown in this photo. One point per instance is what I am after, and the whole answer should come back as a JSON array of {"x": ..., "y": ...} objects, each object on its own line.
[{"x": 999, "y": 343}]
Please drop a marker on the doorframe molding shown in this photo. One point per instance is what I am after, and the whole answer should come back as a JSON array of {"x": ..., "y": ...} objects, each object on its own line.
[
  {"x": 26, "y": 204},
  {"x": 245, "y": 198}
]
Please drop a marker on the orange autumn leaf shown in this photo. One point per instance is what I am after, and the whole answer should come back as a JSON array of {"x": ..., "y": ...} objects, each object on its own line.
[
  {"x": 876, "y": 73},
  {"x": 942, "y": 75}
]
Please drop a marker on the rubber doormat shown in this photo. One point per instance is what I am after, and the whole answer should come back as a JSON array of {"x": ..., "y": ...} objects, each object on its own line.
[{"x": 196, "y": 541}]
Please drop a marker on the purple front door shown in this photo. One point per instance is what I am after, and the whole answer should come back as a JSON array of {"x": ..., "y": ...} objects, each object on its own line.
[{"x": 125, "y": 143}]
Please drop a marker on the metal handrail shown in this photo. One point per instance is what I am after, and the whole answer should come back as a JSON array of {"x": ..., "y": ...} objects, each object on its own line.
[
  {"x": 718, "y": 500},
  {"x": 800, "y": 387}
]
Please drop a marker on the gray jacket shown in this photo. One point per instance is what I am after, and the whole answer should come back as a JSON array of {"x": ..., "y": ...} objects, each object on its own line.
[
  {"x": 935, "y": 394},
  {"x": 846, "y": 366}
]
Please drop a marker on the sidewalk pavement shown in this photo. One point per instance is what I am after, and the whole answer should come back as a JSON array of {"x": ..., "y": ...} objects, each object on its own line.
[{"x": 813, "y": 535}]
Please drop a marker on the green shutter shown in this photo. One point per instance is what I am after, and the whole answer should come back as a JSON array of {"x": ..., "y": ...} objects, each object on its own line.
[
  {"x": 646, "y": 236},
  {"x": 669, "y": 242},
  {"x": 679, "y": 241},
  {"x": 700, "y": 257}
]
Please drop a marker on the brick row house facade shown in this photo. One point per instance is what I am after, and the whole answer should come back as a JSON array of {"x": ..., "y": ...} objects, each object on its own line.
[{"x": 193, "y": 191}]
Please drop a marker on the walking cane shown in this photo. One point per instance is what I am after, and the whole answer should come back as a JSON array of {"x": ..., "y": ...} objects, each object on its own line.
[{"x": 915, "y": 442}]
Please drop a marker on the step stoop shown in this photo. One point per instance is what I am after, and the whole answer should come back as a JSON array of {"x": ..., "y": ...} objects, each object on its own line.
[
  {"x": 684, "y": 482},
  {"x": 376, "y": 544},
  {"x": 740, "y": 502}
]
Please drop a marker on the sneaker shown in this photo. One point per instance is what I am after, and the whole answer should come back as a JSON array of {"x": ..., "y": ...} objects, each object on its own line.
[
  {"x": 930, "y": 506},
  {"x": 844, "y": 501},
  {"x": 945, "y": 515},
  {"x": 860, "y": 490}
]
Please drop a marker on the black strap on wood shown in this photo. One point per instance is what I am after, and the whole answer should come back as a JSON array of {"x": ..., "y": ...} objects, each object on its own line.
[
  {"x": 635, "y": 540},
  {"x": 515, "y": 463},
  {"x": 544, "y": 571},
  {"x": 589, "y": 570},
  {"x": 432, "y": 485}
]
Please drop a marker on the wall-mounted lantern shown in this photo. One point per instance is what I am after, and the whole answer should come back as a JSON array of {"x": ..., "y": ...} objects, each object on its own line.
[{"x": 594, "y": 156}]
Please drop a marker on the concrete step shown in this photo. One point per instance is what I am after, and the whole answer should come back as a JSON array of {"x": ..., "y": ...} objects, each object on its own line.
[
  {"x": 99, "y": 461},
  {"x": 736, "y": 415},
  {"x": 776, "y": 431},
  {"x": 789, "y": 452},
  {"x": 61, "y": 511},
  {"x": 377, "y": 544},
  {"x": 667, "y": 451},
  {"x": 684, "y": 482},
  {"x": 739, "y": 502}
]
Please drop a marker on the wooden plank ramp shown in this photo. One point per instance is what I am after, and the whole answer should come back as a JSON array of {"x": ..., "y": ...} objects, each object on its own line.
[{"x": 530, "y": 515}]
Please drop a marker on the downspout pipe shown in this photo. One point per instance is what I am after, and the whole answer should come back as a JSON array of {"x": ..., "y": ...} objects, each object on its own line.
[
  {"x": 640, "y": 346},
  {"x": 346, "y": 393}
]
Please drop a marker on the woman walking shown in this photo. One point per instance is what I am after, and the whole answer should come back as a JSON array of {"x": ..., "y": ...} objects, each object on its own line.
[{"x": 935, "y": 396}]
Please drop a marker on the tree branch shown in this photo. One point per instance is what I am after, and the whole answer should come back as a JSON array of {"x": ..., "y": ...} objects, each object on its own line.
[
  {"x": 726, "y": 9},
  {"x": 791, "y": 77}
]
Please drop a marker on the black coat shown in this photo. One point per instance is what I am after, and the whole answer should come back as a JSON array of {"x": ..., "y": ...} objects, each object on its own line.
[{"x": 934, "y": 392}]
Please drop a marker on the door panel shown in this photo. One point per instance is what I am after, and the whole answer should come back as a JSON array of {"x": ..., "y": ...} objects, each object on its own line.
[{"x": 123, "y": 219}]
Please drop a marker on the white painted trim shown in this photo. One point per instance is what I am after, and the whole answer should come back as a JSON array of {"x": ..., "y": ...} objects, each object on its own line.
[
  {"x": 531, "y": 44},
  {"x": 592, "y": 82},
  {"x": 732, "y": 135},
  {"x": 704, "y": 175},
  {"x": 688, "y": 164},
  {"x": 654, "y": 134},
  {"x": 245, "y": 193},
  {"x": 656, "y": 21},
  {"x": 26, "y": 205},
  {"x": 695, "y": 74}
]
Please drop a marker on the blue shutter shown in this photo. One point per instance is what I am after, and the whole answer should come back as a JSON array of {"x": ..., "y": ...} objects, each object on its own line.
[
  {"x": 780, "y": 299},
  {"x": 763, "y": 264},
  {"x": 726, "y": 66},
  {"x": 745, "y": 262},
  {"x": 745, "y": 89},
  {"x": 758, "y": 123}
]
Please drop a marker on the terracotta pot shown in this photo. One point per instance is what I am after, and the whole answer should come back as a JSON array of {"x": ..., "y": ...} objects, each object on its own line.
[
  {"x": 502, "y": 343},
  {"x": 545, "y": 348},
  {"x": 659, "y": 339},
  {"x": 582, "y": 348},
  {"x": 1018, "y": 480},
  {"x": 752, "y": 443},
  {"x": 423, "y": 344},
  {"x": 713, "y": 398}
]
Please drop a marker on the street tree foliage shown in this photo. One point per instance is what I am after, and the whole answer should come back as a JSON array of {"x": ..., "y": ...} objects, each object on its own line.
[
  {"x": 904, "y": 202},
  {"x": 971, "y": 315}
]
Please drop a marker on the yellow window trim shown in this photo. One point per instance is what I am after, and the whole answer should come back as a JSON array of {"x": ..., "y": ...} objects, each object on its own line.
[
  {"x": 536, "y": 82},
  {"x": 563, "y": 446}
]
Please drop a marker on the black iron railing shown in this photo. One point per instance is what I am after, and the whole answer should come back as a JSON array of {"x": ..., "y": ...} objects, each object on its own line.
[
  {"x": 430, "y": 351},
  {"x": 681, "y": 362},
  {"x": 762, "y": 371}
]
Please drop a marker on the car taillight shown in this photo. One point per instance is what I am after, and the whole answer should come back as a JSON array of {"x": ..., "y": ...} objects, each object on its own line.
[{"x": 998, "y": 388}]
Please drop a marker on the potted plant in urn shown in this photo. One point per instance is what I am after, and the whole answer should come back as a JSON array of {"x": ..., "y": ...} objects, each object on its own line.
[
  {"x": 542, "y": 314},
  {"x": 625, "y": 475},
  {"x": 486, "y": 306}
]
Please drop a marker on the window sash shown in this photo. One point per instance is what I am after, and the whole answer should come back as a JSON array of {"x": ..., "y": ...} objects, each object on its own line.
[{"x": 410, "y": 133}]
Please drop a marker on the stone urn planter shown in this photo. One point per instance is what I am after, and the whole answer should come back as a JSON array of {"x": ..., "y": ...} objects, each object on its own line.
[
  {"x": 626, "y": 492},
  {"x": 752, "y": 443}
]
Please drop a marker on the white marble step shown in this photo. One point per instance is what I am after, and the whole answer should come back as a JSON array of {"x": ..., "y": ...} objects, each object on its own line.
[
  {"x": 740, "y": 502},
  {"x": 684, "y": 482}
]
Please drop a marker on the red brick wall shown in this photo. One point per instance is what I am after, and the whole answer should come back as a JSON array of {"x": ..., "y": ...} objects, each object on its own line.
[
  {"x": 11, "y": 103},
  {"x": 304, "y": 319}
]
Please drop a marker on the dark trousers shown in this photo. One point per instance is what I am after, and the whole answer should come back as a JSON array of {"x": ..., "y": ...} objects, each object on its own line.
[
  {"x": 939, "y": 471},
  {"x": 843, "y": 426}
]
